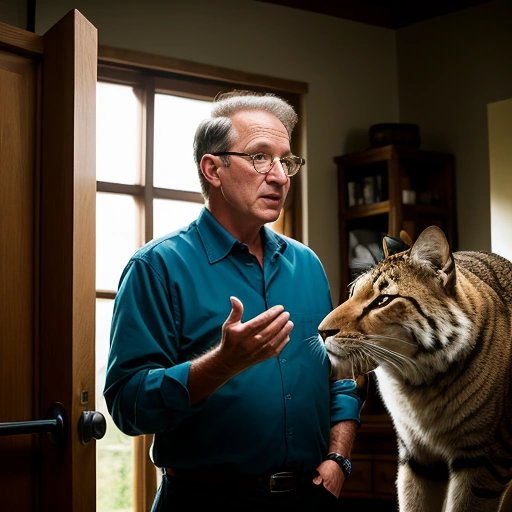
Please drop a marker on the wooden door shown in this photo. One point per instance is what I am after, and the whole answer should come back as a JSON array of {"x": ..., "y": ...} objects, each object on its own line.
[{"x": 47, "y": 270}]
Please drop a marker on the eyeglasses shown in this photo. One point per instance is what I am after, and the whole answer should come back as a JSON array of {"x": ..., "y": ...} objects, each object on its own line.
[{"x": 263, "y": 162}]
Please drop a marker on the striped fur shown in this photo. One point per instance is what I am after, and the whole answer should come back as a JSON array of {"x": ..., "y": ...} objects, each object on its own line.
[{"x": 436, "y": 328}]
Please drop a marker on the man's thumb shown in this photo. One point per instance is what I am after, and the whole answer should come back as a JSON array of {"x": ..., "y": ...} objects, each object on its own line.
[{"x": 237, "y": 310}]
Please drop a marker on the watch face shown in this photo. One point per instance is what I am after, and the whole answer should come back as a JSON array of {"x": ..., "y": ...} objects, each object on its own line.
[{"x": 343, "y": 463}]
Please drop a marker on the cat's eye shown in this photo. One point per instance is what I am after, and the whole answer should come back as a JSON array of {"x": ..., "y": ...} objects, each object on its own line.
[{"x": 381, "y": 301}]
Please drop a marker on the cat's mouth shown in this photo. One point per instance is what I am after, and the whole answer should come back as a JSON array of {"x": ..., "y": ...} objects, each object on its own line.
[{"x": 348, "y": 357}]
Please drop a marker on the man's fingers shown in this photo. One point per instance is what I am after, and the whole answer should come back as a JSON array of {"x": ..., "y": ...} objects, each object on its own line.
[
  {"x": 271, "y": 327},
  {"x": 260, "y": 322}
]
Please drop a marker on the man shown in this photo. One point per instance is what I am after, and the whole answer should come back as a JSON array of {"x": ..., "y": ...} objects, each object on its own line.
[{"x": 214, "y": 343}]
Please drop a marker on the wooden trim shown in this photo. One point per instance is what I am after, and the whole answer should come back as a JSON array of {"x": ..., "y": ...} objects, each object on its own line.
[
  {"x": 144, "y": 476},
  {"x": 132, "y": 58},
  {"x": 20, "y": 41},
  {"x": 119, "y": 75},
  {"x": 178, "y": 195},
  {"x": 190, "y": 88},
  {"x": 105, "y": 294},
  {"x": 119, "y": 188},
  {"x": 148, "y": 144}
]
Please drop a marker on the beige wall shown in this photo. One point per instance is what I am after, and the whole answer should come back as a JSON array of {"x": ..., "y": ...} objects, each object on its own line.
[
  {"x": 450, "y": 68},
  {"x": 14, "y": 12},
  {"x": 441, "y": 73},
  {"x": 350, "y": 69},
  {"x": 500, "y": 150}
]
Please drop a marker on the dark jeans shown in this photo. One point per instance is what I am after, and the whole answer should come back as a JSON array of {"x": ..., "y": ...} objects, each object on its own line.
[{"x": 176, "y": 496}]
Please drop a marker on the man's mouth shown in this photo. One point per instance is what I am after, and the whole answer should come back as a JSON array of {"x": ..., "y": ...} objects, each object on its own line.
[{"x": 275, "y": 198}]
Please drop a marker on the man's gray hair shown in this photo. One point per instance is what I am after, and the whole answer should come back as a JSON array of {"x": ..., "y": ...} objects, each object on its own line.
[{"x": 214, "y": 134}]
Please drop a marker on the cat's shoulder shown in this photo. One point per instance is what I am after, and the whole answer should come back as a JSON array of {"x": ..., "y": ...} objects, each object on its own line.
[{"x": 488, "y": 267}]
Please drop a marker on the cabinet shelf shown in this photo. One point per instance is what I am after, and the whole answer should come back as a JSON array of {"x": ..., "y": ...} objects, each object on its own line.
[
  {"x": 384, "y": 207},
  {"x": 367, "y": 210}
]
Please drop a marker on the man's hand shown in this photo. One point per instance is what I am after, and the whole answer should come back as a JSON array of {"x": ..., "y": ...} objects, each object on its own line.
[
  {"x": 262, "y": 337},
  {"x": 330, "y": 476},
  {"x": 242, "y": 345}
]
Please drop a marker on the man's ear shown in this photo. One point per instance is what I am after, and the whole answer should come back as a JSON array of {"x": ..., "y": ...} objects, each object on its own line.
[{"x": 210, "y": 170}]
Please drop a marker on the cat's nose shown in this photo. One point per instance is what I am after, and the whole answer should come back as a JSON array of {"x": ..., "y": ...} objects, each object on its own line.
[{"x": 325, "y": 333}]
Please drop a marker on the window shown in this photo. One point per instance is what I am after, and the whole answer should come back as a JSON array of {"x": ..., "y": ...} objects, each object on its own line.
[
  {"x": 130, "y": 211},
  {"x": 147, "y": 186}
]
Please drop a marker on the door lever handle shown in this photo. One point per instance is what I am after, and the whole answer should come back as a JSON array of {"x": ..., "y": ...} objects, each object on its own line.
[{"x": 54, "y": 426}]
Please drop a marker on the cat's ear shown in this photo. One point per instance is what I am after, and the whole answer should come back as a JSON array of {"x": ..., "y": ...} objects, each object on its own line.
[
  {"x": 392, "y": 245},
  {"x": 432, "y": 248},
  {"x": 404, "y": 236}
]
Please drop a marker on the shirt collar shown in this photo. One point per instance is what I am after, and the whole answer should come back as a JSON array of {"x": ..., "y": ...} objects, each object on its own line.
[{"x": 218, "y": 242}]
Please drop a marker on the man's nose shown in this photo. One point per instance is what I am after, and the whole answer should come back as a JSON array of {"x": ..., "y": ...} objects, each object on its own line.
[{"x": 278, "y": 171}]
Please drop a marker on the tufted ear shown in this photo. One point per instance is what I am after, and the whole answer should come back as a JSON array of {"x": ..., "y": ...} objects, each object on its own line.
[
  {"x": 392, "y": 245},
  {"x": 432, "y": 248}
]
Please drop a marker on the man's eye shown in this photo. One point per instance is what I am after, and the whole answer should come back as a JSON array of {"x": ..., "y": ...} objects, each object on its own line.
[{"x": 260, "y": 157}]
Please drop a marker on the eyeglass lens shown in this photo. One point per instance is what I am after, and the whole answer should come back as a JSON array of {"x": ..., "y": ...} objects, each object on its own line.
[{"x": 263, "y": 163}]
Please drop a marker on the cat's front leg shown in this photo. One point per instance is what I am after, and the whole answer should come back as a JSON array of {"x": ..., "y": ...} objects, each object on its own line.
[
  {"x": 466, "y": 492},
  {"x": 419, "y": 493}
]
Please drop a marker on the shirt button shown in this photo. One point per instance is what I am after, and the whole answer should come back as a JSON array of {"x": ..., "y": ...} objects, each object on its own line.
[
  {"x": 288, "y": 396},
  {"x": 283, "y": 360}
]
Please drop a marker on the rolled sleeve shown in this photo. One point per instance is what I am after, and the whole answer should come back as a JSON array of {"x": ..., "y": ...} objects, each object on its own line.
[{"x": 345, "y": 401}]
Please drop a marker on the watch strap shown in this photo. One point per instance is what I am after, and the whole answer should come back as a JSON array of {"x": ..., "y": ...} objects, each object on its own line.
[{"x": 343, "y": 462}]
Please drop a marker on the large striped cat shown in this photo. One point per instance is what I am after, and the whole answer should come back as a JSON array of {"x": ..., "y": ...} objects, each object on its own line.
[{"x": 436, "y": 327}]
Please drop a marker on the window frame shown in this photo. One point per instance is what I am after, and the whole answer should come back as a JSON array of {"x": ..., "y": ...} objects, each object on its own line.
[{"x": 152, "y": 74}]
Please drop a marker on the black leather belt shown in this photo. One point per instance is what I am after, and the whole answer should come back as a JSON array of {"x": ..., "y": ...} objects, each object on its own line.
[{"x": 281, "y": 481}]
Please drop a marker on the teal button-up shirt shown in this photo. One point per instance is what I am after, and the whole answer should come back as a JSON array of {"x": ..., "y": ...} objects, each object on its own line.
[{"x": 172, "y": 300}]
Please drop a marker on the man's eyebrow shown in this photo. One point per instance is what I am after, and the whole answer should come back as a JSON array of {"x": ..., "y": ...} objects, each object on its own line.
[{"x": 266, "y": 148}]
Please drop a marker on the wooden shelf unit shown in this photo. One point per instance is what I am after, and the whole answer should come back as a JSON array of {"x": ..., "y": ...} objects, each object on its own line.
[{"x": 371, "y": 196}]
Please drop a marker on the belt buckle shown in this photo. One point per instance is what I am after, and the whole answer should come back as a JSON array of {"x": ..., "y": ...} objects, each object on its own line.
[{"x": 277, "y": 480}]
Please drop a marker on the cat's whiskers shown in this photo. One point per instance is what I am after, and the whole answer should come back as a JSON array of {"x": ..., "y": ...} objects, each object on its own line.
[
  {"x": 367, "y": 354},
  {"x": 378, "y": 337},
  {"x": 353, "y": 370},
  {"x": 398, "y": 360}
]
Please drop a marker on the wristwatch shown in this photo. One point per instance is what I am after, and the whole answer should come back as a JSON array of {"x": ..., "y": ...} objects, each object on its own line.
[{"x": 343, "y": 462}]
